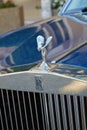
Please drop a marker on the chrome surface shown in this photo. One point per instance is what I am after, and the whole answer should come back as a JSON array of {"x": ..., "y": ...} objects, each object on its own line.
[
  {"x": 33, "y": 99},
  {"x": 42, "y": 111},
  {"x": 16, "y": 47},
  {"x": 71, "y": 124},
  {"x": 70, "y": 71},
  {"x": 42, "y": 47},
  {"x": 60, "y": 78}
]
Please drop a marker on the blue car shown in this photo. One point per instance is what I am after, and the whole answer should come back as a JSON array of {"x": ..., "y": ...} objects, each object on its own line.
[
  {"x": 76, "y": 10},
  {"x": 43, "y": 73}
]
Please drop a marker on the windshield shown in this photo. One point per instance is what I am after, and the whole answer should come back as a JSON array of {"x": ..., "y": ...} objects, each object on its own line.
[
  {"x": 76, "y": 4},
  {"x": 75, "y": 9}
]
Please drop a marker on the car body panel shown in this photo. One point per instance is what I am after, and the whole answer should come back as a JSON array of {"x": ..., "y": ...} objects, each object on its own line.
[
  {"x": 20, "y": 47},
  {"x": 76, "y": 58}
]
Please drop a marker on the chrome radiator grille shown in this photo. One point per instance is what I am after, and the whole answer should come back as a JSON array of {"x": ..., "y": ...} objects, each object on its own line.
[{"x": 42, "y": 111}]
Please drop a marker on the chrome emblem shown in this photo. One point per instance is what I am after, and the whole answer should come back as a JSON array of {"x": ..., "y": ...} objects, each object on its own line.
[
  {"x": 41, "y": 46},
  {"x": 38, "y": 82}
]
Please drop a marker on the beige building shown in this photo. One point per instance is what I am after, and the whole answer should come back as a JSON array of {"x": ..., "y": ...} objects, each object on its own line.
[{"x": 31, "y": 13}]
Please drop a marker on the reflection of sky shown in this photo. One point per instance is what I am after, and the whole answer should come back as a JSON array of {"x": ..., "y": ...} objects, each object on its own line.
[{"x": 77, "y": 4}]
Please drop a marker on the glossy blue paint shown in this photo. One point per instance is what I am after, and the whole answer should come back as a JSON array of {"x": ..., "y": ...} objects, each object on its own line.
[
  {"x": 76, "y": 58},
  {"x": 19, "y": 47}
]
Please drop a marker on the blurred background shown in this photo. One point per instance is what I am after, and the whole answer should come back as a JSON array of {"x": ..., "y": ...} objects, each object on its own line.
[{"x": 32, "y": 11}]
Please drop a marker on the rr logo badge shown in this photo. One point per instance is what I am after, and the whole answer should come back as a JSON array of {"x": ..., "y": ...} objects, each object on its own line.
[{"x": 38, "y": 82}]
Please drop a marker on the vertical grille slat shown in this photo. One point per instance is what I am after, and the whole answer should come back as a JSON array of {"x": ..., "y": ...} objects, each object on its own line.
[
  {"x": 84, "y": 127},
  {"x": 14, "y": 110},
  {"x": 21, "y": 110},
  {"x": 65, "y": 127},
  {"x": 27, "y": 111},
  {"x": 31, "y": 112},
  {"x": 85, "y": 106},
  {"x": 1, "y": 120},
  {"x": 51, "y": 112},
  {"x": 27, "y": 128},
  {"x": 57, "y": 112},
  {"x": 46, "y": 112},
  {"x": 39, "y": 106},
  {"x": 70, "y": 114},
  {"x": 37, "y": 120},
  {"x": 4, "y": 109},
  {"x": 9, "y": 110},
  {"x": 77, "y": 122},
  {"x": 34, "y": 111},
  {"x": 42, "y": 110}
]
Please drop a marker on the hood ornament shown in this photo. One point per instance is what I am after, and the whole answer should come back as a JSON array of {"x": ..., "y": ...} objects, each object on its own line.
[{"x": 41, "y": 46}]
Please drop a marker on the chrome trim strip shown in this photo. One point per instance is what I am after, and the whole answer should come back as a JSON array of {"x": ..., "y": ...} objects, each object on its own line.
[
  {"x": 76, "y": 110},
  {"x": 37, "y": 120},
  {"x": 50, "y": 107},
  {"x": 29, "y": 100},
  {"x": 42, "y": 110},
  {"x": 14, "y": 108},
  {"x": 9, "y": 109},
  {"x": 70, "y": 112},
  {"x": 56, "y": 101},
  {"x": 1, "y": 120},
  {"x": 6, "y": 120},
  {"x": 22, "y": 127},
  {"x": 84, "y": 127},
  {"x": 46, "y": 111},
  {"x": 57, "y": 111},
  {"x": 25, "y": 110},
  {"x": 63, "y": 108},
  {"x": 64, "y": 7}
]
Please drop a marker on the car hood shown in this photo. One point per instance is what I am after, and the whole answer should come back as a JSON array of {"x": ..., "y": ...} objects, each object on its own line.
[{"x": 19, "y": 47}]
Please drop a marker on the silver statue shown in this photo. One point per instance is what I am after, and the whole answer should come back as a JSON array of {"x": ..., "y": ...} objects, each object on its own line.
[{"x": 41, "y": 46}]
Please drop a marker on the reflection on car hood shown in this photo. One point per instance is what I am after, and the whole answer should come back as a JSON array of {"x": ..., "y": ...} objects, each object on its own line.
[{"x": 67, "y": 36}]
